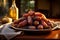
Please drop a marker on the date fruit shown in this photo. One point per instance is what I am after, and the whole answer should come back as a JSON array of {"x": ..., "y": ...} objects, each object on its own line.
[
  {"x": 25, "y": 15},
  {"x": 32, "y": 27},
  {"x": 22, "y": 24},
  {"x": 29, "y": 20},
  {"x": 44, "y": 23},
  {"x": 40, "y": 27},
  {"x": 36, "y": 23}
]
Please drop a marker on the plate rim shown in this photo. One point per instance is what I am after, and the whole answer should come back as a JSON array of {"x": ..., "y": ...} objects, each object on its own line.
[{"x": 21, "y": 29}]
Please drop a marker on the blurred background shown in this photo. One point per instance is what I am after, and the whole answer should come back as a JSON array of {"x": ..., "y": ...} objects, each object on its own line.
[{"x": 51, "y": 8}]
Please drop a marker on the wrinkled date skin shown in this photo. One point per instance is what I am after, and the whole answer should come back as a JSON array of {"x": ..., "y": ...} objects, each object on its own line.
[
  {"x": 29, "y": 20},
  {"x": 36, "y": 23},
  {"x": 40, "y": 26},
  {"x": 32, "y": 27},
  {"x": 22, "y": 24}
]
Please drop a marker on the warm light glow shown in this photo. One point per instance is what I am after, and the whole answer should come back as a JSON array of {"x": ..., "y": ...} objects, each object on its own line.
[
  {"x": 56, "y": 36},
  {"x": 32, "y": 1},
  {"x": 5, "y": 1},
  {"x": 10, "y": 20}
]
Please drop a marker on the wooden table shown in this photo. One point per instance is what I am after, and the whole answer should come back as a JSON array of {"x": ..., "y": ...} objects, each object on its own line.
[{"x": 52, "y": 35}]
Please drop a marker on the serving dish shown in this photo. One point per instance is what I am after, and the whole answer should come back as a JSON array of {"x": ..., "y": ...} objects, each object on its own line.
[{"x": 27, "y": 29}]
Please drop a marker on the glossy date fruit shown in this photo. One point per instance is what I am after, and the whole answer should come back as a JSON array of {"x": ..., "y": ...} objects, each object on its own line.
[
  {"x": 29, "y": 20},
  {"x": 36, "y": 23},
  {"x": 38, "y": 14},
  {"x": 22, "y": 24},
  {"x": 45, "y": 24},
  {"x": 37, "y": 18},
  {"x": 40, "y": 26},
  {"x": 32, "y": 27}
]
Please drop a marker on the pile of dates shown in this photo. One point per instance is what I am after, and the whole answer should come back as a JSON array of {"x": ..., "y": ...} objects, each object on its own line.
[{"x": 33, "y": 20}]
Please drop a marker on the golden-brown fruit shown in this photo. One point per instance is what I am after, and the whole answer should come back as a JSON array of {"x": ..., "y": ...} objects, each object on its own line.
[
  {"x": 45, "y": 19},
  {"x": 32, "y": 27},
  {"x": 40, "y": 15},
  {"x": 37, "y": 18},
  {"x": 36, "y": 23},
  {"x": 30, "y": 21},
  {"x": 22, "y": 23},
  {"x": 40, "y": 27}
]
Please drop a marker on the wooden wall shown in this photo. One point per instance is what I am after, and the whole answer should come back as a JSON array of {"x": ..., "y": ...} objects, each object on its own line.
[{"x": 53, "y": 6}]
